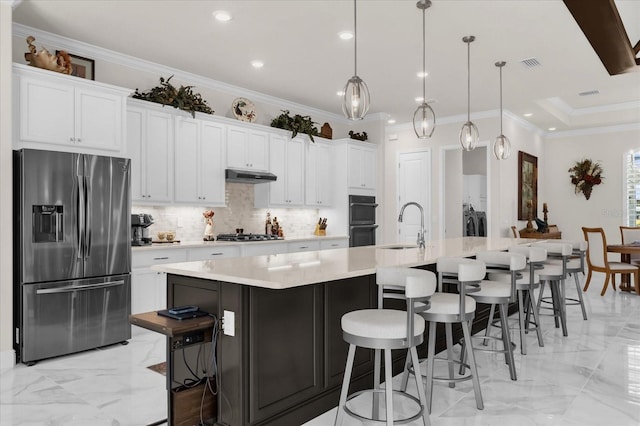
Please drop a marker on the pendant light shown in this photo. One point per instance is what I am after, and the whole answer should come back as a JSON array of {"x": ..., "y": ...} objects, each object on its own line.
[
  {"x": 355, "y": 101},
  {"x": 502, "y": 146},
  {"x": 424, "y": 119},
  {"x": 469, "y": 132}
]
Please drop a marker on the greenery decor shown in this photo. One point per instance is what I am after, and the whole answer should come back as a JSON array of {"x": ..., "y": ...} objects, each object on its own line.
[
  {"x": 585, "y": 175},
  {"x": 182, "y": 98},
  {"x": 358, "y": 136},
  {"x": 297, "y": 124}
]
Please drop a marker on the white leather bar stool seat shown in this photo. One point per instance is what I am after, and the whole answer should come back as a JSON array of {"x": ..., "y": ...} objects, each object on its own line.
[
  {"x": 386, "y": 329},
  {"x": 387, "y": 324}
]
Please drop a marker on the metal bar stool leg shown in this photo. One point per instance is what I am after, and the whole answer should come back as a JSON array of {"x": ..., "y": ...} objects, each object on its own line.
[
  {"x": 521, "y": 317},
  {"x": 449, "y": 338},
  {"x": 563, "y": 307},
  {"x": 466, "y": 332},
  {"x": 506, "y": 338},
  {"x": 376, "y": 385},
  {"x": 345, "y": 385},
  {"x": 430, "y": 363},
  {"x": 536, "y": 317},
  {"x": 388, "y": 386},
  {"x": 408, "y": 363},
  {"x": 580, "y": 298},
  {"x": 413, "y": 353},
  {"x": 487, "y": 332}
]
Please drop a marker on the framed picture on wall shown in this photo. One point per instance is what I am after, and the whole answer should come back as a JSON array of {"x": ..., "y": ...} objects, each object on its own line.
[
  {"x": 82, "y": 67},
  {"x": 527, "y": 186}
]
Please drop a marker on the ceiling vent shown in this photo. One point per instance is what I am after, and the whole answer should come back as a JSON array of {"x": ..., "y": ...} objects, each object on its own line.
[
  {"x": 530, "y": 63},
  {"x": 589, "y": 93}
]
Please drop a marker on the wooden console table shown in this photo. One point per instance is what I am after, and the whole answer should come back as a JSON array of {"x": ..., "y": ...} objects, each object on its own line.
[
  {"x": 553, "y": 233},
  {"x": 183, "y": 403}
]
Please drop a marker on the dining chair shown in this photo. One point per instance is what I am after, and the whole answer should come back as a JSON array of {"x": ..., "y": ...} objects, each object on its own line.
[
  {"x": 597, "y": 260},
  {"x": 629, "y": 235},
  {"x": 516, "y": 234}
]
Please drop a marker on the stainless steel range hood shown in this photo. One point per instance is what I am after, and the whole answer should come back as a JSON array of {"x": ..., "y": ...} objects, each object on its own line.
[{"x": 245, "y": 176}]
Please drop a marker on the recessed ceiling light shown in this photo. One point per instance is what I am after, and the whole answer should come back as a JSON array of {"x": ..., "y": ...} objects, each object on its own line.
[
  {"x": 340, "y": 93},
  {"x": 391, "y": 121},
  {"x": 419, "y": 99},
  {"x": 551, "y": 129},
  {"x": 527, "y": 114},
  {"x": 257, "y": 64},
  {"x": 222, "y": 15},
  {"x": 421, "y": 74},
  {"x": 345, "y": 35}
]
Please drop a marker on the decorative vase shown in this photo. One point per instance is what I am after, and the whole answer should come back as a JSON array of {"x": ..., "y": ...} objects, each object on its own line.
[{"x": 587, "y": 191}]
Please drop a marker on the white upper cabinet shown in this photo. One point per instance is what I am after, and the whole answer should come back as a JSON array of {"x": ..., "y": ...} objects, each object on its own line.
[
  {"x": 319, "y": 176},
  {"x": 361, "y": 166},
  {"x": 199, "y": 162},
  {"x": 150, "y": 147},
  {"x": 286, "y": 160},
  {"x": 247, "y": 148},
  {"x": 56, "y": 109}
]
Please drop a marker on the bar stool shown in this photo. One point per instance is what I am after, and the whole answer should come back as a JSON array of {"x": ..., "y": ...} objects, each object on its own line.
[
  {"x": 575, "y": 265},
  {"x": 387, "y": 329},
  {"x": 556, "y": 274},
  {"x": 451, "y": 308},
  {"x": 499, "y": 293},
  {"x": 525, "y": 286}
]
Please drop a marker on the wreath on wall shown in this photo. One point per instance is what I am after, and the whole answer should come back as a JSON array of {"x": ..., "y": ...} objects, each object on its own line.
[{"x": 585, "y": 175}]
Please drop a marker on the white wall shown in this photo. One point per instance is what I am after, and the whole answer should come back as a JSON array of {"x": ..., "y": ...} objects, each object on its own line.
[
  {"x": 604, "y": 209},
  {"x": 7, "y": 358}
]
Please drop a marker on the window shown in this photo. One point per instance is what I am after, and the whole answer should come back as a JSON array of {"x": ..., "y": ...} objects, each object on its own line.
[{"x": 632, "y": 172}]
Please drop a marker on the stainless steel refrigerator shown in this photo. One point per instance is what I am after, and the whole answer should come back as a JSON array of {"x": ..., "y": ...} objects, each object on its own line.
[{"x": 72, "y": 252}]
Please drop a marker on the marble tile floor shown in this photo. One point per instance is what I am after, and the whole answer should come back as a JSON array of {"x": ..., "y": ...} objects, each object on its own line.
[{"x": 591, "y": 377}]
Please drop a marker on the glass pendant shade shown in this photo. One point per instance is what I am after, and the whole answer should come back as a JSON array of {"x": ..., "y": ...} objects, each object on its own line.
[
  {"x": 469, "y": 136},
  {"x": 355, "y": 101},
  {"x": 424, "y": 121},
  {"x": 502, "y": 147}
]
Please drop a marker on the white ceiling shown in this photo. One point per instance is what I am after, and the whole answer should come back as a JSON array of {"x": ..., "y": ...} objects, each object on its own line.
[{"x": 306, "y": 62}]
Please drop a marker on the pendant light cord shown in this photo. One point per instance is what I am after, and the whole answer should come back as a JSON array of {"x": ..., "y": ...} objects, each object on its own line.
[
  {"x": 424, "y": 60},
  {"x": 468, "y": 81},
  {"x": 501, "y": 100},
  {"x": 355, "y": 39}
]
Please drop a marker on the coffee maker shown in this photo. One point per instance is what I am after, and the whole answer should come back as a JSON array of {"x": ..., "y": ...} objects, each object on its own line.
[{"x": 140, "y": 223}]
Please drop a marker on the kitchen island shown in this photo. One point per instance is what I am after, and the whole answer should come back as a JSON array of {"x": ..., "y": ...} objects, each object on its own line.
[{"x": 281, "y": 361}]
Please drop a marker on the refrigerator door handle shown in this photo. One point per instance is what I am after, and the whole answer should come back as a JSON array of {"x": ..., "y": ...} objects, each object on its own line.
[
  {"x": 69, "y": 288},
  {"x": 80, "y": 209},
  {"x": 87, "y": 215}
]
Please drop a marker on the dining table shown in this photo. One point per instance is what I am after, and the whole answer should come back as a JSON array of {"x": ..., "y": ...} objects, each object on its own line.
[{"x": 625, "y": 251}]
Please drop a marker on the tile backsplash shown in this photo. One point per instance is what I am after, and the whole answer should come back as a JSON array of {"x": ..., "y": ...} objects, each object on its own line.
[{"x": 188, "y": 222}]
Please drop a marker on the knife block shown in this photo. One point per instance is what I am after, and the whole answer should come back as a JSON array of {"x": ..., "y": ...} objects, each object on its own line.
[{"x": 320, "y": 232}]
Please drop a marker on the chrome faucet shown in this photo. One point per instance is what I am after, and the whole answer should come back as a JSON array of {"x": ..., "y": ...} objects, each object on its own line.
[{"x": 420, "y": 241}]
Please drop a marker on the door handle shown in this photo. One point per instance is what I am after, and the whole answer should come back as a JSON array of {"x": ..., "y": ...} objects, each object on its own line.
[{"x": 71, "y": 288}]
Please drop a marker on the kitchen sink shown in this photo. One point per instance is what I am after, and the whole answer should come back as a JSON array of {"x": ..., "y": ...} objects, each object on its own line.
[{"x": 399, "y": 247}]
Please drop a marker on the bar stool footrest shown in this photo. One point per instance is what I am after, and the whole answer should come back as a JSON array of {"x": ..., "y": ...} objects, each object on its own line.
[{"x": 416, "y": 416}]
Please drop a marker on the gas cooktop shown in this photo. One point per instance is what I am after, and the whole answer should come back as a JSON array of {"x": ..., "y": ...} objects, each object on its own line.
[{"x": 247, "y": 237}]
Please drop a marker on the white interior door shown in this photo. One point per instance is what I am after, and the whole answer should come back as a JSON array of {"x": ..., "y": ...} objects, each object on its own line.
[{"x": 414, "y": 184}]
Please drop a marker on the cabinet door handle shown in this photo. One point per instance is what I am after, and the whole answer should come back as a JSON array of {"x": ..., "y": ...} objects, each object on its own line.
[
  {"x": 303, "y": 247},
  {"x": 71, "y": 139},
  {"x": 217, "y": 254},
  {"x": 79, "y": 140},
  {"x": 161, "y": 258}
]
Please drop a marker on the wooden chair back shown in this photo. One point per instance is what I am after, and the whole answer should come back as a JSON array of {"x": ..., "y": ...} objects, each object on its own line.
[
  {"x": 630, "y": 234},
  {"x": 597, "y": 248},
  {"x": 515, "y": 232}
]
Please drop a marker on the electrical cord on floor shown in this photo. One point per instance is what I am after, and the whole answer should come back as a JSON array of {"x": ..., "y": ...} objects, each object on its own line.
[{"x": 214, "y": 367}]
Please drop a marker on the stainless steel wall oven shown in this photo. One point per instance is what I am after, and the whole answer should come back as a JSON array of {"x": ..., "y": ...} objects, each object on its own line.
[{"x": 362, "y": 220}]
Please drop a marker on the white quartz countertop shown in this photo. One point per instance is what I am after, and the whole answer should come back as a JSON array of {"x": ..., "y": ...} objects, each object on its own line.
[
  {"x": 282, "y": 271},
  {"x": 196, "y": 243}
]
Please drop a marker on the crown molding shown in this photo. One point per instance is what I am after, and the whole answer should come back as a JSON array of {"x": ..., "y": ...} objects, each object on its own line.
[
  {"x": 593, "y": 131},
  {"x": 12, "y": 3},
  {"x": 96, "y": 52}
]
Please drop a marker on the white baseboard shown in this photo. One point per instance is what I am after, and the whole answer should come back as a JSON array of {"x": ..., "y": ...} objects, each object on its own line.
[{"x": 7, "y": 359}]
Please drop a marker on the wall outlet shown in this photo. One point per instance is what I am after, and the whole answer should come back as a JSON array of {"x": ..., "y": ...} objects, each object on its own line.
[{"x": 229, "y": 322}]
